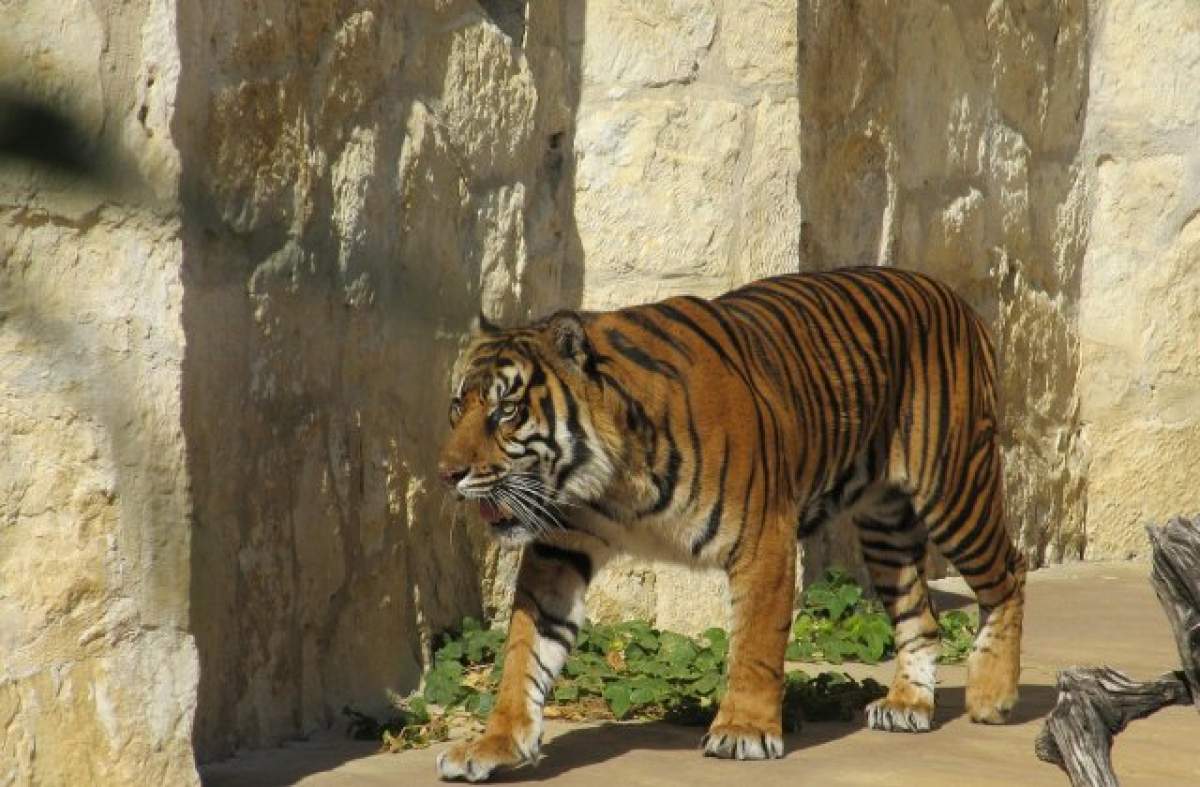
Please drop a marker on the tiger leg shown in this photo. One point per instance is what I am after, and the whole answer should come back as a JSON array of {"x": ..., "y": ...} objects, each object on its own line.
[
  {"x": 749, "y": 723},
  {"x": 972, "y": 536},
  {"x": 548, "y": 610},
  {"x": 893, "y": 547}
]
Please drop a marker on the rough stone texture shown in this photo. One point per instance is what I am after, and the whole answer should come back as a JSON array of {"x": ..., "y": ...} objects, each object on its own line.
[
  {"x": 687, "y": 148},
  {"x": 362, "y": 178},
  {"x": 98, "y": 669},
  {"x": 222, "y": 384},
  {"x": 1139, "y": 317}
]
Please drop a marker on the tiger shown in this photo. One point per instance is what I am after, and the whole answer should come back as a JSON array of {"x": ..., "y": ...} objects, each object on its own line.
[{"x": 717, "y": 432}]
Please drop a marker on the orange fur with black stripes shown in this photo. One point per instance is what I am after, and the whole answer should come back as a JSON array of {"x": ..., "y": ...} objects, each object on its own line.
[{"x": 713, "y": 432}]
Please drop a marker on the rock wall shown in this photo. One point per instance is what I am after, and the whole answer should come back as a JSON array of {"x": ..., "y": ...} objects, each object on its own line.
[
  {"x": 687, "y": 166},
  {"x": 223, "y": 373},
  {"x": 98, "y": 668},
  {"x": 360, "y": 180},
  {"x": 1139, "y": 306}
]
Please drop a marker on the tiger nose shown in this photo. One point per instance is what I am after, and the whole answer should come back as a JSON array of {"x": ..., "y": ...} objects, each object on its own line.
[{"x": 451, "y": 474}]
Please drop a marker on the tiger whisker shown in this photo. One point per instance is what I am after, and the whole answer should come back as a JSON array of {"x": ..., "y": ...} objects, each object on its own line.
[
  {"x": 519, "y": 509},
  {"x": 537, "y": 499},
  {"x": 535, "y": 484},
  {"x": 534, "y": 511}
]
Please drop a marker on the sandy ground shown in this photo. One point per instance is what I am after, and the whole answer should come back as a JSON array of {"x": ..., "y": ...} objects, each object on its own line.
[{"x": 1089, "y": 614}]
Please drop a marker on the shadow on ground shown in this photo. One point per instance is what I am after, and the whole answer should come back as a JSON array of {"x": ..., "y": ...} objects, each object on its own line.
[
  {"x": 592, "y": 745},
  {"x": 946, "y": 600},
  {"x": 287, "y": 765}
]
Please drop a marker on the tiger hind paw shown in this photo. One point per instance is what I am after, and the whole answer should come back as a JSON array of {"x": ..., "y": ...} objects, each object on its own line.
[{"x": 738, "y": 742}]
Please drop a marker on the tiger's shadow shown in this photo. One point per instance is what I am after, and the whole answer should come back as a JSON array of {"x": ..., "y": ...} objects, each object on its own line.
[{"x": 591, "y": 745}]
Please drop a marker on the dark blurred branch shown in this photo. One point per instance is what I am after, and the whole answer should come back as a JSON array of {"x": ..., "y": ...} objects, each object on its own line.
[{"x": 33, "y": 131}]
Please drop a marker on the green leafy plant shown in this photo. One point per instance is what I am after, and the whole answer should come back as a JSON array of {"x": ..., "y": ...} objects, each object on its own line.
[
  {"x": 640, "y": 671},
  {"x": 465, "y": 669},
  {"x": 958, "y": 630},
  {"x": 838, "y": 623},
  {"x": 631, "y": 670}
]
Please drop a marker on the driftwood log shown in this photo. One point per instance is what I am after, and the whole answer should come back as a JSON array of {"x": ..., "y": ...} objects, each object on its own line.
[
  {"x": 1094, "y": 704},
  {"x": 1176, "y": 579}
]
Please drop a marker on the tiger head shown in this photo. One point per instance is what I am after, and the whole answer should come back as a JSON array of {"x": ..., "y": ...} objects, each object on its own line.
[{"x": 525, "y": 438}]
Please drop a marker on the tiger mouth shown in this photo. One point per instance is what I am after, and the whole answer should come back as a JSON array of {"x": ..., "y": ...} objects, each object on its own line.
[{"x": 496, "y": 515}]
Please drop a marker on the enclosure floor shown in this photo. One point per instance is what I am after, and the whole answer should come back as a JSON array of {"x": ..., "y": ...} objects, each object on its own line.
[{"x": 1099, "y": 613}]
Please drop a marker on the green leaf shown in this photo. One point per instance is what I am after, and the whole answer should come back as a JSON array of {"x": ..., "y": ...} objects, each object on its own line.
[
  {"x": 718, "y": 641},
  {"x": 418, "y": 709},
  {"x": 706, "y": 684},
  {"x": 642, "y": 695},
  {"x": 591, "y": 684},
  {"x": 443, "y": 689},
  {"x": 647, "y": 640},
  {"x": 451, "y": 651},
  {"x": 618, "y": 699},
  {"x": 848, "y": 596},
  {"x": 676, "y": 648},
  {"x": 568, "y": 692},
  {"x": 480, "y": 704}
]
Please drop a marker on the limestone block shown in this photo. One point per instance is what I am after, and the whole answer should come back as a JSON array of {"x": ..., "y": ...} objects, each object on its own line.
[
  {"x": 647, "y": 42},
  {"x": 1066, "y": 94},
  {"x": 623, "y": 589},
  {"x": 1007, "y": 161},
  {"x": 655, "y": 181},
  {"x": 1140, "y": 344},
  {"x": 66, "y": 65},
  {"x": 97, "y": 668},
  {"x": 368, "y": 202},
  {"x": 939, "y": 117},
  {"x": 1144, "y": 64},
  {"x": 499, "y": 247},
  {"x": 768, "y": 239},
  {"x": 1021, "y": 64},
  {"x": 495, "y": 133},
  {"x": 759, "y": 42}
]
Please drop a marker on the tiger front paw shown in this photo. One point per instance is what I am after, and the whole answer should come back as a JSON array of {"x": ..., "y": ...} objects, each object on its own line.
[
  {"x": 475, "y": 760},
  {"x": 742, "y": 742}
]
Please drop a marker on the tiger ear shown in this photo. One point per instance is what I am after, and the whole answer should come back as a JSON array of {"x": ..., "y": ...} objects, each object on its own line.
[
  {"x": 567, "y": 335},
  {"x": 482, "y": 326}
]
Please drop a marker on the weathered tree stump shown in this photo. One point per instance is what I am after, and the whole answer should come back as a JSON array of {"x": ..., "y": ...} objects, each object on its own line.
[
  {"x": 1094, "y": 704},
  {"x": 1176, "y": 578}
]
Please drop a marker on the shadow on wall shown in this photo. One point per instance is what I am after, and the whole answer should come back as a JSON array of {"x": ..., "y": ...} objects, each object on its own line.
[{"x": 356, "y": 192}]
